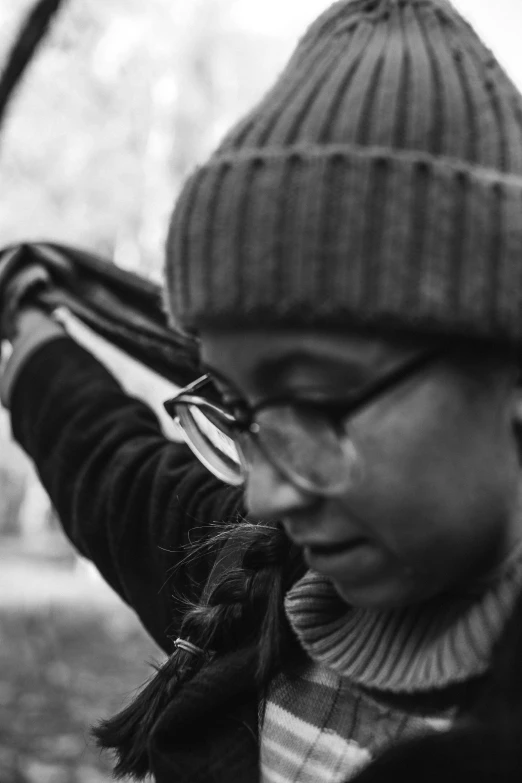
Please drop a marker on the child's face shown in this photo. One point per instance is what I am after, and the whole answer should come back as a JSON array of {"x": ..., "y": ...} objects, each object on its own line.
[{"x": 435, "y": 502}]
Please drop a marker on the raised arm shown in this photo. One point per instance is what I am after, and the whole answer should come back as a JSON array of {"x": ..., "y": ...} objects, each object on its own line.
[{"x": 129, "y": 500}]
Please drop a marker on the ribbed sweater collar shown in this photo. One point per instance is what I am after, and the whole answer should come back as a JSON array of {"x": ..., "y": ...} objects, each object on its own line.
[{"x": 431, "y": 646}]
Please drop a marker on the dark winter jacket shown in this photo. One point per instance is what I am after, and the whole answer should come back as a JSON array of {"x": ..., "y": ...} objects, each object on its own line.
[{"x": 129, "y": 499}]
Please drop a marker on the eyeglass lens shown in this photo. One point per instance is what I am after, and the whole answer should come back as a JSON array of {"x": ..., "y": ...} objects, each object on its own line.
[
  {"x": 302, "y": 446},
  {"x": 212, "y": 445}
]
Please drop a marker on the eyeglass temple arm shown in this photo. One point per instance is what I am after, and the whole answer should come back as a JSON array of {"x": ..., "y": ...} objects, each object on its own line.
[{"x": 196, "y": 385}]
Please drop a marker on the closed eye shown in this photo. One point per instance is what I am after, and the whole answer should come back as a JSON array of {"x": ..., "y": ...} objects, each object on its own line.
[{"x": 334, "y": 411}]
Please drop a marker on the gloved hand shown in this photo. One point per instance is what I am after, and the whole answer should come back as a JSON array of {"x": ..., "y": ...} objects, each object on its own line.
[
  {"x": 33, "y": 329},
  {"x": 20, "y": 280},
  {"x": 23, "y": 321}
]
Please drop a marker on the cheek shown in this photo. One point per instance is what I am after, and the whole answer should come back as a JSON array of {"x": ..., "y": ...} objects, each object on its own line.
[{"x": 439, "y": 476}]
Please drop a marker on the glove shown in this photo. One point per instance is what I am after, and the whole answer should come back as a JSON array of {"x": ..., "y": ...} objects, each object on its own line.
[
  {"x": 20, "y": 281},
  {"x": 24, "y": 322},
  {"x": 34, "y": 328}
]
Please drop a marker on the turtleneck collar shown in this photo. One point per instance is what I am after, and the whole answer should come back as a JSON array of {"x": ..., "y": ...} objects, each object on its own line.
[{"x": 443, "y": 642}]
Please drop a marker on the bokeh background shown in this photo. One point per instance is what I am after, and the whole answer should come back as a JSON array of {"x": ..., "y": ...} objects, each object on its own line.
[{"x": 122, "y": 101}]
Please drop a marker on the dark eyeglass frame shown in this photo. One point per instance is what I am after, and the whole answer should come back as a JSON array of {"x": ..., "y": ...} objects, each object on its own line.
[{"x": 245, "y": 422}]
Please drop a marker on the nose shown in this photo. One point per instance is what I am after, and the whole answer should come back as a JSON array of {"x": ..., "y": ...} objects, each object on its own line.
[{"x": 270, "y": 495}]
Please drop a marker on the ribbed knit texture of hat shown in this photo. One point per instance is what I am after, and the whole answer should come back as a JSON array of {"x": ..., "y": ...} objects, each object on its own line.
[{"x": 379, "y": 182}]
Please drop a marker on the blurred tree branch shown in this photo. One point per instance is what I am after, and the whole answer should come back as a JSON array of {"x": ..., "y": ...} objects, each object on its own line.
[{"x": 32, "y": 34}]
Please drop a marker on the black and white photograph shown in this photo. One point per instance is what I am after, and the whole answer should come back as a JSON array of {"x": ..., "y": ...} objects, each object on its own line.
[{"x": 261, "y": 391}]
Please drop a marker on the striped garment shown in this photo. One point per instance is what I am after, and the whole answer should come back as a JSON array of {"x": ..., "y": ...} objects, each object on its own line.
[
  {"x": 318, "y": 729},
  {"x": 319, "y": 725}
]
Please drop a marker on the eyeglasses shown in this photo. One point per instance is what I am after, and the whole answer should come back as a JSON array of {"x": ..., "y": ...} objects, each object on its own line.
[{"x": 304, "y": 440}]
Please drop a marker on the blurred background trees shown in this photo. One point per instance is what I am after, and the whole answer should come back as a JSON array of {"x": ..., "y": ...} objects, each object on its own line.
[{"x": 124, "y": 98}]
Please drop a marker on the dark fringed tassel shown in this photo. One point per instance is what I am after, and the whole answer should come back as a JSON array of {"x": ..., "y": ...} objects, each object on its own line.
[{"x": 127, "y": 733}]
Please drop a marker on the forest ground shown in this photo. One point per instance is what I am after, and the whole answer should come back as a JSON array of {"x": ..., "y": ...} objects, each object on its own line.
[{"x": 70, "y": 654}]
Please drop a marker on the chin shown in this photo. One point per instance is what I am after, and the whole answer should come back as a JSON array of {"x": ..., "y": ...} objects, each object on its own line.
[{"x": 383, "y": 595}]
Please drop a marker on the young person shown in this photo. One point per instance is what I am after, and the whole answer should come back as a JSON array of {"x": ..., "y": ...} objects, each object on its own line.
[{"x": 334, "y": 583}]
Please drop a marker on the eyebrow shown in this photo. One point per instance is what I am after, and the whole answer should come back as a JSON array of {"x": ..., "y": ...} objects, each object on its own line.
[{"x": 279, "y": 369}]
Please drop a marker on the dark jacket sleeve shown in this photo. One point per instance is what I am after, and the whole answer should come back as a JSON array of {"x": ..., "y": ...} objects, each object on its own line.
[{"x": 129, "y": 499}]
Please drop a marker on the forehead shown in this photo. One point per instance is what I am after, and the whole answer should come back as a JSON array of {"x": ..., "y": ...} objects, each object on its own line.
[{"x": 253, "y": 358}]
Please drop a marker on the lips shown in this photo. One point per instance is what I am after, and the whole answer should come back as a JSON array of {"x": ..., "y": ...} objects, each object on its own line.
[{"x": 325, "y": 550}]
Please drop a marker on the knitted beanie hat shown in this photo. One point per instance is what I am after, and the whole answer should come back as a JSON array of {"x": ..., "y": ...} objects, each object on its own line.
[{"x": 379, "y": 182}]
